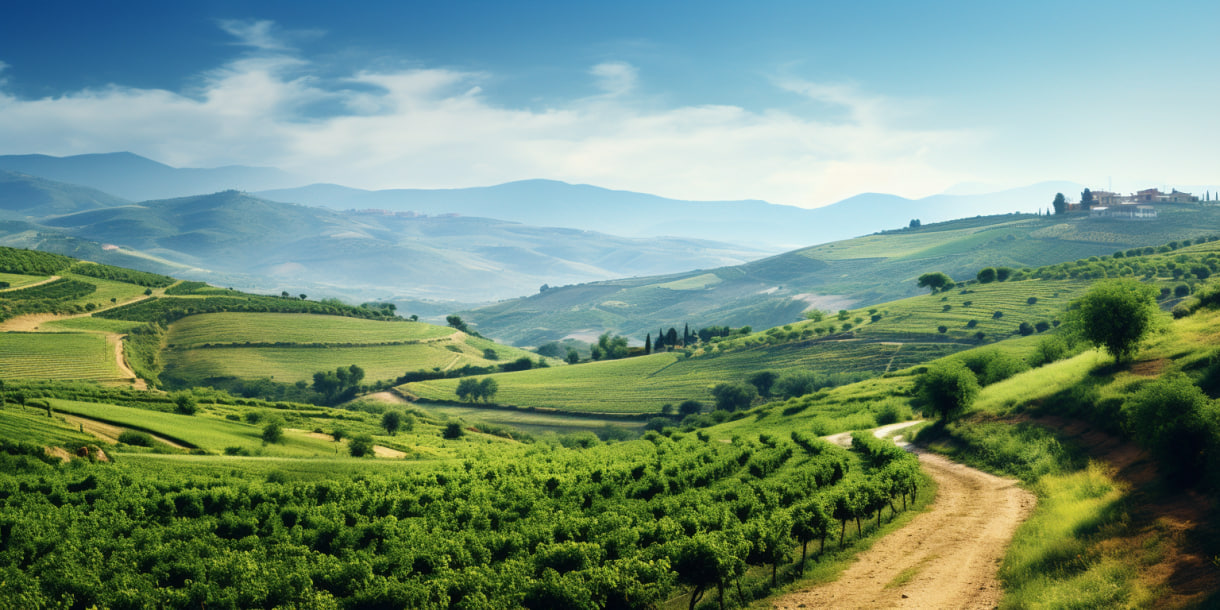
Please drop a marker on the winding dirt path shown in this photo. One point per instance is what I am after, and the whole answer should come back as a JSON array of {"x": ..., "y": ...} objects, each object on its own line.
[{"x": 946, "y": 557}]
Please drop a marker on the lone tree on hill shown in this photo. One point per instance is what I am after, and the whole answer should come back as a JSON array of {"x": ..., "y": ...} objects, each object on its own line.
[
  {"x": 937, "y": 281},
  {"x": 1060, "y": 204},
  {"x": 948, "y": 388},
  {"x": 391, "y": 421},
  {"x": 1117, "y": 315}
]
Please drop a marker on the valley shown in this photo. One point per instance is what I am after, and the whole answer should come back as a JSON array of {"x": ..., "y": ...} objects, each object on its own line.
[{"x": 290, "y": 392}]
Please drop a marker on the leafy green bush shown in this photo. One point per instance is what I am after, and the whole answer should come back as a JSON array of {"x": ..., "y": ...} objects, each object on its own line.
[
  {"x": 1175, "y": 421},
  {"x": 135, "y": 437}
]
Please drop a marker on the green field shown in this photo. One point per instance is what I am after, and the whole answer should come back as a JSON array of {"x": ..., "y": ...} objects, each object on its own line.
[
  {"x": 292, "y": 347},
  {"x": 643, "y": 384},
  {"x": 533, "y": 422},
  {"x": 121, "y": 292},
  {"x": 229, "y": 327},
  {"x": 30, "y": 424},
  {"x": 292, "y": 364},
  {"x": 17, "y": 281},
  {"x": 207, "y": 433},
  {"x": 864, "y": 272},
  {"x": 90, "y": 323},
  {"x": 67, "y": 356}
]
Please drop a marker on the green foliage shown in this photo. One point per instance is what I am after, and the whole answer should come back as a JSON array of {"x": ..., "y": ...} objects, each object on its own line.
[
  {"x": 453, "y": 431},
  {"x": 32, "y": 262},
  {"x": 1117, "y": 315},
  {"x": 185, "y": 403},
  {"x": 167, "y": 310},
  {"x": 1174, "y": 419},
  {"x": 273, "y": 432},
  {"x": 986, "y": 275},
  {"x": 361, "y": 445},
  {"x": 936, "y": 282},
  {"x": 391, "y": 421},
  {"x": 120, "y": 274},
  {"x": 135, "y": 437},
  {"x": 948, "y": 388},
  {"x": 763, "y": 381},
  {"x": 734, "y": 396}
]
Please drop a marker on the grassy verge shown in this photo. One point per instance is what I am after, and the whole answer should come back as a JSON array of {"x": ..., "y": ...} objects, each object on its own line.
[{"x": 1079, "y": 548}]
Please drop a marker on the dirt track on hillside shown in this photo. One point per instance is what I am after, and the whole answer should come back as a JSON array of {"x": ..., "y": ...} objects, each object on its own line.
[{"x": 946, "y": 557}]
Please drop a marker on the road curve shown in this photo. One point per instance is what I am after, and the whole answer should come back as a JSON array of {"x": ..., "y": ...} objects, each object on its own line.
[{"x": 946, "y": 557}]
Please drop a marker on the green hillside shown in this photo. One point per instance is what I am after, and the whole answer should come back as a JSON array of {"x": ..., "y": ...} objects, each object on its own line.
[
  {"x": 859, "y": 272},
  {"x": 488, "y": 516}
]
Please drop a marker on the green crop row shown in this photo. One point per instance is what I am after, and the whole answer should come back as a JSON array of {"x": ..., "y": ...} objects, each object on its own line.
[
  {"x": 238, "y": 328},
  {"x": 56, "y": 356}
]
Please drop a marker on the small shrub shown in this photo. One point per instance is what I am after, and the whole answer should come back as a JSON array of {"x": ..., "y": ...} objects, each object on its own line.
[
  {"x": 273, "y": 432},
  {"x": 360, "y": 445},
  {"x": 942, "y": 329},
  {"x": 136, "y": 438},
  {"x": 972, "y": 323},
  {"x": 1031, "y": 300}
]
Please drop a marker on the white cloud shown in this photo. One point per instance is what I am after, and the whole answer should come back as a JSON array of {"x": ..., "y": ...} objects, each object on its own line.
[
  {"x": 254, "y": 33},
  {"x": 615, "y": 77},
  {"x": 436, "y": 128}
]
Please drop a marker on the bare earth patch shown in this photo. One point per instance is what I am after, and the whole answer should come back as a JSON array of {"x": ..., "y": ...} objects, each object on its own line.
[
  {"x": 946, "y": 557},
  {"x": 388, "y": 397},
  {"x": 378, "y": 450}
]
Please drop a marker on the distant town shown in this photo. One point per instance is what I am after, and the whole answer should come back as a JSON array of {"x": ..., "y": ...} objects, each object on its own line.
[{"x": 1135, "y": 206}]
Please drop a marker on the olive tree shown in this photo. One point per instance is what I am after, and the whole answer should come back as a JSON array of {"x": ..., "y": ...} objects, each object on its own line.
[
  {"x": 1117, "y": 315},
  {"x": 948, "y": 388}
]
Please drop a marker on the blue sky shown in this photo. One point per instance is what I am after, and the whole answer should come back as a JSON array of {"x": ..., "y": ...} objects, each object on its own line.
[{"x": 800, "y": 103}]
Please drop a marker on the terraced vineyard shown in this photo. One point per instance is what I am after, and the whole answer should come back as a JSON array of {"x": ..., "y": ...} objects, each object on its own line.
[
  {"x": 210, "y": 434},
  {"x": 292, "y": 364},
  {"x": 292, "y": 347},
  {"x": 57, "y": 356},
  {"x": 643, "y": 384},
  {"x": 238, "y": 328}
]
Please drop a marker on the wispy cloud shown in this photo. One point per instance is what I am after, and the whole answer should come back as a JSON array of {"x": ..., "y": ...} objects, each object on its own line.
[
  {"x": 615, "y": 77},
  {"x": 437, "y": 128},
  {"x": 258, "y": 34}
]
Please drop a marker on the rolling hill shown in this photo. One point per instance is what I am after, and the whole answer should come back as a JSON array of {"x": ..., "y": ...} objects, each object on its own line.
[
  {"x": 756, "y": 223},
  {"x": 137, "y": 178},
  {"x": 25, "y": 196},
  {"x": 234, "y": 239},
  {"x": 838, "y": 275}
]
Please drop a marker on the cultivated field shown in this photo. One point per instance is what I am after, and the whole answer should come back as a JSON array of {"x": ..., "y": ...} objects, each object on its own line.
[
  {"x": 238, "y": 328},
  {"x": 292, "y": 364},
  {"x": 643, "y": 384},
  {"x": 57, "y": 356},
  {"x": 16, "y": 281}
]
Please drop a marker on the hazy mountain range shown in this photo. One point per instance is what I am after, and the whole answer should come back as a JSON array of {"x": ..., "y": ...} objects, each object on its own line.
[
  {"x": 261, "y": 229},
  {"x": 231, "y": 238}
]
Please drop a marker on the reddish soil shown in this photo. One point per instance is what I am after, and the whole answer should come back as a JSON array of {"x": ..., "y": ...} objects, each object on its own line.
[{"x": 1178, "y": 519}]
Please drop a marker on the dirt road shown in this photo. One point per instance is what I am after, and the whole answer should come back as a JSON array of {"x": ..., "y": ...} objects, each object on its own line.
[{"x": 944, "y": 558}]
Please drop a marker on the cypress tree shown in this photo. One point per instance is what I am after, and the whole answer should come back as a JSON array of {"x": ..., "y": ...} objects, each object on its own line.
[{"x": 648, "y": 344}]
